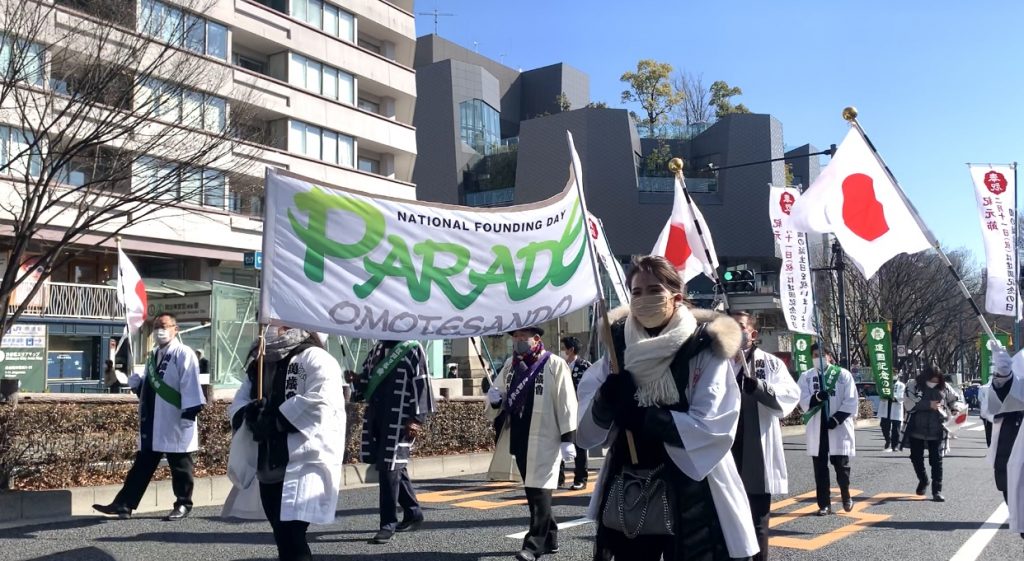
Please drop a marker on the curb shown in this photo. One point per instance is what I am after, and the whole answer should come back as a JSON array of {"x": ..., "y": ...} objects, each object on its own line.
[{"x": 21, "y": 508}]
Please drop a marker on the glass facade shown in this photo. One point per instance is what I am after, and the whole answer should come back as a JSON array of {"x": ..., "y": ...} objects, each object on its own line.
[
  {"x": 233, "y": 330},
  {"x": 172, "y": 181},
  {"x": 321, "y": 144},
  {"x": 325, "y": 17},
  {"x": 480, "y": 126},
  {"x": 20, "y": 155},
  {"x": 177, "y": 27},
  {"x": 321, "y": 79},
  {"x": 176, "y": 104}
]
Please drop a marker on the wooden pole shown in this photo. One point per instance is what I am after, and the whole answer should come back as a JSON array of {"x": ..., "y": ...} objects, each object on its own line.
[{"x": 259, "y": 361}]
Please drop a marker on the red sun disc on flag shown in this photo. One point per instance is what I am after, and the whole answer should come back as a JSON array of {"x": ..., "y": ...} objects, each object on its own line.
[
  {"x": 786, "y": 202},
  {"x": 677, "y": 250},
  {"x": 995, "y": 182},
  {"x": 593, "y": 228},
  {"x": 140, "y": 291},
  {"x": 863, "y": 214}
]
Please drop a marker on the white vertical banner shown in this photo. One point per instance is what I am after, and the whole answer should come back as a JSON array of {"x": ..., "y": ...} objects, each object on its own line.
[
  {"x": 996, "y": 192},
  {"x": 604, "y": 254},
  {"x": 795, "y": 275}
]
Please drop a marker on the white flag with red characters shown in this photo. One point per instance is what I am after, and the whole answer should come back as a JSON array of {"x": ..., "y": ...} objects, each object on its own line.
[
  {"x": 854, "y": 199},
  {"x": 681, "y": 243},
  {"x": 996, "y": 192},
  {"x": 130, "y": 292}
]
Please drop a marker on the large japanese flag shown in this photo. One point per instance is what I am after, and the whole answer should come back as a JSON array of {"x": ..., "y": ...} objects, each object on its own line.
[
  {"x": 130, "y": 292},
  {"x": 681, "y": 243},
  {"x": 854, "y": 199}
]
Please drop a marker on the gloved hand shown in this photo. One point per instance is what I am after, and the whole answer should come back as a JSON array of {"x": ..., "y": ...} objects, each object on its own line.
[
  {"x": 266, "y": 426},
  {"x": 252, "y": 411},
  {"x": 495, "y": 396},
  {"x": 819, "y": 398},
  {"x": 1002, "y": 362},
  {"x": 832, "y": 423},
  {"x": 750, "y": 385},
  {"x": 568, "y": 450}
]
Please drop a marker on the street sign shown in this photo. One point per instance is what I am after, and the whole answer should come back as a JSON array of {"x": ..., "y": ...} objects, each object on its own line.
[{"x": 253, "y": 260}]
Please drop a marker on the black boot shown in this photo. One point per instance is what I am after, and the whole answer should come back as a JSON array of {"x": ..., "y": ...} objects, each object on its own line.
[
  {"x": 922, "y": 485},
  {"x": 937, "y": 492}
]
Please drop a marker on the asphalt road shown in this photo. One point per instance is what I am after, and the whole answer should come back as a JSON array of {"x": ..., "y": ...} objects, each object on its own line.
[{"x": 470, "y": 519}]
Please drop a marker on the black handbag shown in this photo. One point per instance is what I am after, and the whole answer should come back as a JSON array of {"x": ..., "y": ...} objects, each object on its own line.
[{"x": 640, "y": 503}]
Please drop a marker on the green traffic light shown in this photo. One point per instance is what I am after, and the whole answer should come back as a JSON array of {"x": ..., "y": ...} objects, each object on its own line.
[{"x": 729, "y": 276}]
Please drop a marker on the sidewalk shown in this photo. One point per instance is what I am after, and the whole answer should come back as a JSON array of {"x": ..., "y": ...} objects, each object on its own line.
[{"x": 20, "y": 508}]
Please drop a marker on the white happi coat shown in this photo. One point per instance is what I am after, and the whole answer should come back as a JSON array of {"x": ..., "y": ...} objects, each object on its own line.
[
  {"x": 312, "y": 477},
  {"x": 773, "y": 371},
  {"x": 841, "y": 440},
  {"x": 1015, "y": 466},
  {"x": 707, "y": 431},
  {"x": 171, "y": 433},
  {"x": 554, "y": 414},
  {"x": 899, "y": 393}
]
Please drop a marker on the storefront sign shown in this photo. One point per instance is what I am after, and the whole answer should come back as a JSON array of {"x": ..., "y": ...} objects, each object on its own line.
[
  {"x": 23, "y": 356},
  {"x": 185, "y": 308}
]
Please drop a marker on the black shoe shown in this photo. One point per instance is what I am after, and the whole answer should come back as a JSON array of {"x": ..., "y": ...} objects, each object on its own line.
[
  {"x": 550, "y": 550},
  {"x": 847, "y": 504},
  {"x": 937, "y": 497},
  {"x": 179, "y": 512},
  {"x": 410, "y": 525},
  {"x": 382, "y": 537},
  {"x": 578, "y": 486},
  {"x": 114, "y": 509},
  {"x": 525, "y": 555},
  {"x": 921, "y": 486},
  {"x": 825, "y": 511}
]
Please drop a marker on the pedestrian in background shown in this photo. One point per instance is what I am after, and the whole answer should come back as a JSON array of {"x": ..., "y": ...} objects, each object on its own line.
[
  {"x": 829, "y": 400},
  {"x": 288, "y": 446},
  {"x": 577, "y": 367},
  {"x": 929, "y": 402},
  {"x": 890, "y": 411}
]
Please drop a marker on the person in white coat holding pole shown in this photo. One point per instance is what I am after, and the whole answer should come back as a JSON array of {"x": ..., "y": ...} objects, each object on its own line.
[
  {"x": 829, "y": 402},
  {"x": 769, "y": 393},
  {"x": 288, "y": 446},
  {"x": 1005, "y": 405}
]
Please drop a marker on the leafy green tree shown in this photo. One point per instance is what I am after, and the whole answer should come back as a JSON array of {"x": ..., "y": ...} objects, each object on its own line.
[
  {"x": 563, "y": 102},
  {"x": 721, "y": 99},
  {"x": 596, "y": 105},
  {"x": 651, "y": 86}
]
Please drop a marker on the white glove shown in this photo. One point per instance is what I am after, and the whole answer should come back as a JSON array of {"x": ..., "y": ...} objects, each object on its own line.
[
  {"x": 495, "y": 396},
  {"x": 1002, "y": 362},
  {"x": 568, "y": 451}
]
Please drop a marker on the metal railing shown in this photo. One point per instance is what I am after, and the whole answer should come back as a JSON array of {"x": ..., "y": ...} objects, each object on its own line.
[
  {"x": 494, "y": 197},
  {"x": 647, "y": 184},
  {"x": 70, "y": 300}
]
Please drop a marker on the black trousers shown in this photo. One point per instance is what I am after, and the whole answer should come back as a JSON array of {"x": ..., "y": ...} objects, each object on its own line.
[
  {"x": 891, "y": 432},
  {"x": 917, "y": 447},
  {"x": 579, "y": 475},
  {"x": 761, "y": 509},
  {"x": 290, "y": 536},
  {"x": 542, "y": 536},
  {"x": 988, "y": 432},
  {"x": 142, "y": 471},
  {"x": 396, "y": 490},
  {"x": 823, "y": 482}
]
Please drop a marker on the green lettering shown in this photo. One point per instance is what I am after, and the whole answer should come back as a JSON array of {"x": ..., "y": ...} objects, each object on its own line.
[
  {"x": 317, "y": 204},
  {"x": 397, "y": 263},
  {"x": 440, "y": 275}
]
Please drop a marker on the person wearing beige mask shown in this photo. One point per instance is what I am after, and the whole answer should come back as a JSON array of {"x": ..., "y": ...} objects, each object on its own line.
[{"x": 675, "y": 396}]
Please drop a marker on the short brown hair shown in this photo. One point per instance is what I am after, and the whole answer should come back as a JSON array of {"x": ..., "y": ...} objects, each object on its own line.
[
  {"x": 660, "y": 268},
  {"x": 751, "y": 318}
]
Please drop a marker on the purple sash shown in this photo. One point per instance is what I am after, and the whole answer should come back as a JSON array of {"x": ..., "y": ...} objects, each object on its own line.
[{"x": 523, "y": 384}]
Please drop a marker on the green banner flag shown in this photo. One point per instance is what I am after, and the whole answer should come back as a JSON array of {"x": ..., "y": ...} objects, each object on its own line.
[
  {"x": 986, "y": 354},
  {"x": 802, "y": 361},
  {"x": 879, "y": 343}
]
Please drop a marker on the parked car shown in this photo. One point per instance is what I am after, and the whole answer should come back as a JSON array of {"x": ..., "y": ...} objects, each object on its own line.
[{"x": 868, "y": 391}]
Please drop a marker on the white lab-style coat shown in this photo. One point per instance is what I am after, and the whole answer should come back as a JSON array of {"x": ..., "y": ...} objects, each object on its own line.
[
  {"x": 773, "y": 371},
  {"x": 841, "y": 440},
  {"x": 312, "y": 478},
  {"x": 554, "y": 414},
  {"x": 1015, "y": 466},
  {"x": 899, "y": 393},
  {"x": 707, "y": 431},
  {"x": 171, "y": 433}
]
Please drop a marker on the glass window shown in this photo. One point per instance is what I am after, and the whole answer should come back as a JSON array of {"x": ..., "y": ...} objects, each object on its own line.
[
  {"x": 215, "y": 114},
  {"x": 169, "y": 103},
  {"x": 217, "y": 41},
  {"x": 330, "y": 82},
  {"x": 315, "y": 13},
  {"x": 346, "y": 87},
  {"x": 192, "y": 186},
  {"x": 330, "y": 153},
  {"x": 195, "y": 34},
  {"x": 171, "y": 24},
  {"x": 479, "y": 126},
  {"x": 313, "y": 73},
  {"x": 372, "y": 47},
  {"x": 192, "y": 109},
  {"x": 213, "y": 189},
  {"x": 299, "y": 9},
  {"x": 347, "y": 26},
  {"x": 312, "y": 141},
  {"x": 369, "y": 164},
  {"x": 371, "y": 106},
  {"x": 33, "y": 63},
  {"x": 23, "y": 155},
  {"x": 297, "y": 71},
  {"x": 331, "y": 19},
  {"x": 148, "y": 14},
  {"x": 346, "y": 150}
]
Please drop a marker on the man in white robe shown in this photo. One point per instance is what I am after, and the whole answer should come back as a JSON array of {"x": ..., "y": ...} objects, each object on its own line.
[
  {"x": 829, "y": 402},
  {"x": 1005, "y": 405},
  {"x": 170, "y": 398},
  {"x": 534, "y": 400},
  {"x": 890, "y": 411}
]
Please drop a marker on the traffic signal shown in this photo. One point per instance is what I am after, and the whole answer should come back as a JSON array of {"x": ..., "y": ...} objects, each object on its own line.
[{"x": 740, "y": 280}]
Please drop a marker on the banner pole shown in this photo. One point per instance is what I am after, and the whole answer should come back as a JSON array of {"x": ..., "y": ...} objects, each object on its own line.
[
  {"x": 259, "y": 361},
  {"x": 850, "y": 114},
  {"x": 1015, "y": 344}
]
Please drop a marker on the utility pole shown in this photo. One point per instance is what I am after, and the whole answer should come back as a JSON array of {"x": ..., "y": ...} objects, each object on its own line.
[{"x": 844, "y": 328}]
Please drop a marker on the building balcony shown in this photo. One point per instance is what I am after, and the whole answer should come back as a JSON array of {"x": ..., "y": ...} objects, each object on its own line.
[
  {"x": 493, "y": 197},
  {"x": 77, "y": 301}
]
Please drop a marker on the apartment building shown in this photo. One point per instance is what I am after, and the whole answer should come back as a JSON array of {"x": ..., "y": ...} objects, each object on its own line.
[{"x": 325, "y": 89}]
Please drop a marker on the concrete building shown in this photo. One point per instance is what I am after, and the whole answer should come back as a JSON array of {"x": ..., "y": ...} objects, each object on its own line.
[{"x": 330, "y": 88}]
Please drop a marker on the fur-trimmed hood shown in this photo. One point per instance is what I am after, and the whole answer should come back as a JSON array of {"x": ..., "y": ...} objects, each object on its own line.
[{"x": 726, "y": 335}]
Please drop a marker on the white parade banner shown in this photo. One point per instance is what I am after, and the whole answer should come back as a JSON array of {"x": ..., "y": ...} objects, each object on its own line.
[
  {"x": 795, "y": 276},
  {"x": 349, "y": 263},
  {"x": 995, "y": 191}
]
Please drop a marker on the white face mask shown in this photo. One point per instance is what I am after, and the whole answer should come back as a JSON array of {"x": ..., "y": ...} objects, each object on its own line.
[
  {"x": 931, "y": 384},
  {"x": 651, "y": 311},
  {"x": 162, "y": 336}
]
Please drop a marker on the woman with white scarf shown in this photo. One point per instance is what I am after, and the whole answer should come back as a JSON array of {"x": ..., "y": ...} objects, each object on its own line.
[
  {"x": 674, "y": 403},
  {"x": 287, "y": 451}
]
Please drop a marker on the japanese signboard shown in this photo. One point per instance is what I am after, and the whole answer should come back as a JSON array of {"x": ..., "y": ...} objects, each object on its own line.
[
  {"x": 986, "y": 354},
  {"x": 802, "y": 360},
  {"x": 23, "y": 356},
  {"x": 795, "y": 275},
  {"x": 995, "y": 190},
  {"x": 879, "y": 350}
]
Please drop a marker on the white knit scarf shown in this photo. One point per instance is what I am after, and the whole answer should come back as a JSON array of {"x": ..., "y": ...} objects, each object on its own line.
[{"x": 649, "y": 358}]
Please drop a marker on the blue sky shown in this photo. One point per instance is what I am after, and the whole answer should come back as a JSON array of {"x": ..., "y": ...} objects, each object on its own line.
[{"x": 935, "y": 81}]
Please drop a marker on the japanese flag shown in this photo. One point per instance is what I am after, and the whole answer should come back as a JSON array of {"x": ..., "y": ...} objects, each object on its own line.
[
  {"x": 854, "y": 199},
  {"x": 130, "y": 292},
  {"x": 680, "y": 242}
]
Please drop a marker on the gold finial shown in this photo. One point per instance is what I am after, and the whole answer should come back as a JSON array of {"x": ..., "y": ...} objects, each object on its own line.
[
  {"x": 850, "y": 113},
  {"x": 675, "y": 165}
]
